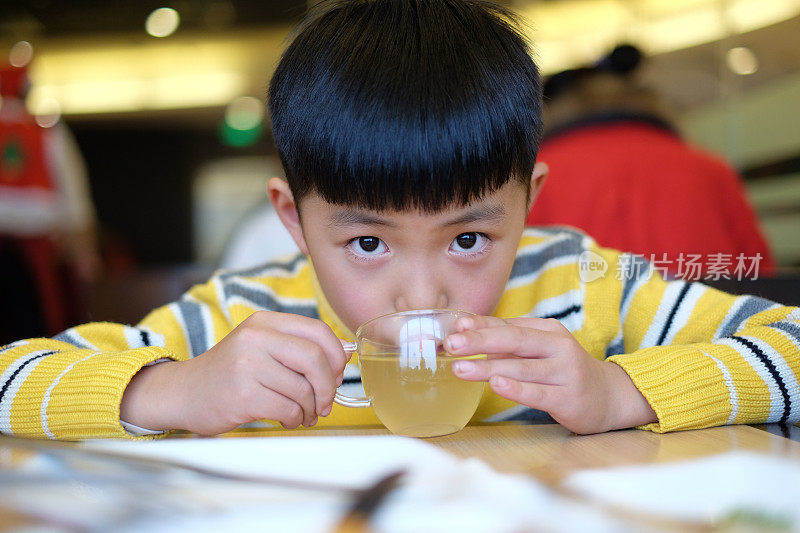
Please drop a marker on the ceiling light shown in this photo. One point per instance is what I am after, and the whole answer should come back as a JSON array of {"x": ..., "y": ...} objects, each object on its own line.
[
  {"x": 21, "y": 54},
  {"x": 741, "y": 60},
  {"x": 162, "y": 22}
]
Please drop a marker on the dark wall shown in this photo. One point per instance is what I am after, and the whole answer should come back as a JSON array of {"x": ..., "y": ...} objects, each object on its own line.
[
  {"x": 141, "y": 185},
  {"x": 141, "y": 180}
]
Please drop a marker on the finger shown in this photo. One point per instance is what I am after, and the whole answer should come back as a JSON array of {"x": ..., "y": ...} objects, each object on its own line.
[
  {"x": 271, "y": 405},
  {"x": 545, "y": 324},
  {"x": 311, "y": 329},
  {"x": 535, "y": 395},
  {"x": 293, "y": 386},
  {"x": 307, "y": 358},
  {"x": 467, "y": 323},
  {"x": 480, "y": 322},
  {"x": 508, "y": 340},
  {"x": 544, "y": 371}
]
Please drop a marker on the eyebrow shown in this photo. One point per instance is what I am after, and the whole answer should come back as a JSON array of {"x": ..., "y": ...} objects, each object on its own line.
[
  {"x": 355, "y": 218},
  {"x": 486, "y": 213}
]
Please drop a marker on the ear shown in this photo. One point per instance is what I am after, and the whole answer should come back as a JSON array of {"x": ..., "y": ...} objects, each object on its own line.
[
  {"x": 540, "y": 171},
  {"x": 283, "y": 201}
]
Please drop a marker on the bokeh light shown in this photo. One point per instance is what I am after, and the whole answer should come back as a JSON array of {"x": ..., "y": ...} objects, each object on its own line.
[
  {"x": 242, "y": 125},
  {"x": 162, "y": 22},
  {"x": 741, "y": 61},
  {"x": 47, "y": 113},
  {"x": 244, "y": 113},
  {"x": 21, "y": 54}
]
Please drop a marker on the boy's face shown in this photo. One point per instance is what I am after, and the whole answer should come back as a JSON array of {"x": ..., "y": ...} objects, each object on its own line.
[{"x": 371, "y": 263}]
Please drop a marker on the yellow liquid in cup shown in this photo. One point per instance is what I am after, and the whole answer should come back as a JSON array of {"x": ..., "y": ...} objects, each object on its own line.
[{"x": 419, "y": 401}]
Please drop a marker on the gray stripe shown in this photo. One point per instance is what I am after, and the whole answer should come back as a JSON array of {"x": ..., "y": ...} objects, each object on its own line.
[
  {"x": 557, "y": 230},
  {"x": 533, "y": 261},
  {"x": 637, "y": 264},
  {"x": 752, "y": 305},
  {"x": 69, "y": 337},
  {"x": 264, "y": 300},
  {"x": 195, "y": 327},
  {"x": 532, "y": 415},
  {"x": 616, "y": 348},
  {"x": 790, "y": 328},
  {"x": 289, "y": 266}
]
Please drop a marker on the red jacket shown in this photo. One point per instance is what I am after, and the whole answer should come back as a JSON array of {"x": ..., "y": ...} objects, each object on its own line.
[{"x": 635, "y": 186}]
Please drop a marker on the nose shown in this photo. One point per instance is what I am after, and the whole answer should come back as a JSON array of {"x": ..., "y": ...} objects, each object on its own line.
[{"x": 419, "y": 290}]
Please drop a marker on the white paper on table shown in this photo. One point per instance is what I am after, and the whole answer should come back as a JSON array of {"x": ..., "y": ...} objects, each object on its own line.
[
  {"x": 705, "y": 490},
  {"x": 440, "y": 493}
]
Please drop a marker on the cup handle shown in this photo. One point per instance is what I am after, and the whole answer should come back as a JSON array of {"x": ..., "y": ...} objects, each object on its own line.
[{"x": 347, "y": 401}]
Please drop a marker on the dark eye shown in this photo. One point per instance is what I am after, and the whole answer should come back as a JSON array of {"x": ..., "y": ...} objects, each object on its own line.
[
  {"x": 369, "y": 244},
  {"x": 467, "y": 240},
  {"x": 470, "y": 243}
]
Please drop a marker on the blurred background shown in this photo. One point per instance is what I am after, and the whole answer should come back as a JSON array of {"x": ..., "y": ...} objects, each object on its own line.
[{"x": 164, "y": 106}]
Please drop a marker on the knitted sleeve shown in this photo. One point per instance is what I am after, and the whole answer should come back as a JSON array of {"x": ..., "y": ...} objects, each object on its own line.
[
  {"x": 702, "y": 357},
  {"x": 71, "y": 386}
]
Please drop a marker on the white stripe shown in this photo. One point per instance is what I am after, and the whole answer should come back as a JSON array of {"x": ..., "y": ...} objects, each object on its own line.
[
  {"x": 786, "y": 374},
  {"x": 664, "y": 309},
  {"x": 626, "y": 305},
  {"x": 526, "y": 279},
  {"x": 176, "y": 312},
  {"x": 13, "y": 388},
  {"x": 681, "y": 318},
  {"x": 734, "y": 397},
  {"x": 46, "y": 399},
  {"x": 156, "y": 339},
  {"x": 205, "y": 312},
  {"x": 136, "y": 431},
  {"x": 557, "y": 304},
  {"x": 219, "y": 287},
  {"x": 133, "y": 336},
  {"x": 775, "y": 396},
  {"x": 10, "y": 369},
  {"x": 16, "y": 344}
]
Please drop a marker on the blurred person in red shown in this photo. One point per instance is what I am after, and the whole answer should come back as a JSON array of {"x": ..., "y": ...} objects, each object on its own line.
[
  {"x": 609, "y": 146},
  {"x": 48, "y": 246}
]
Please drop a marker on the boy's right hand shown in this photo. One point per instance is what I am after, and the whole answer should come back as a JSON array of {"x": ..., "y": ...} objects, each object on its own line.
[{"x": 278, "y": 366}]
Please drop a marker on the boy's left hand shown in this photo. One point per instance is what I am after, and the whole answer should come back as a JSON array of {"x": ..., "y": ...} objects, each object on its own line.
[{"x": 537, "y": 362}]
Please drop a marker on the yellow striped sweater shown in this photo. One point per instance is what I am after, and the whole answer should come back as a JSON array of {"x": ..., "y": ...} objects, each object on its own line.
[{"x": 701, "y": 357}]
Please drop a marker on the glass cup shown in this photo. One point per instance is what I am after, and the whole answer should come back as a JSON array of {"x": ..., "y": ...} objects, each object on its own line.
[{"x": 407, "y": 374}]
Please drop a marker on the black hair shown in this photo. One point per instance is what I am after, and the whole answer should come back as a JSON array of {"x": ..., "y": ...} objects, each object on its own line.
[
  {"x": 621, "y": 61},
  {"x": 397, "y": 104}
]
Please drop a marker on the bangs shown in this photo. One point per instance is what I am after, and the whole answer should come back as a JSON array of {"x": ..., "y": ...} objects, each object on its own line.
[{"x": 400, "y": 104}]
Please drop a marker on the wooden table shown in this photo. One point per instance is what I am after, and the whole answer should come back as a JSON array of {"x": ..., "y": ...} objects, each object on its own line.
[{"x": 549, "y": 452}]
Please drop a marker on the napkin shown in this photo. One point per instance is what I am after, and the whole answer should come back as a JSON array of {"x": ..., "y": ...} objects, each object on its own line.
[
  {"x": 439, "y": 493},
  {"x": 755, "y": 487}
]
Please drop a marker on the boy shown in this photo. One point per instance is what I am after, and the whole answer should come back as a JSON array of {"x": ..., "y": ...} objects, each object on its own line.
[{"x": 408, "y": 130}]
